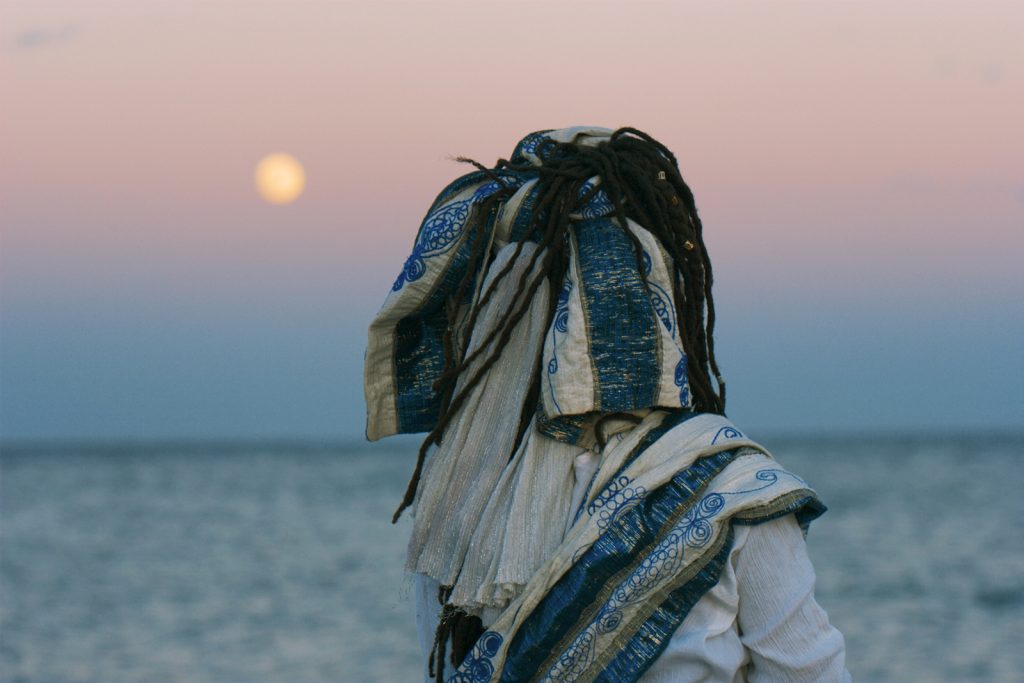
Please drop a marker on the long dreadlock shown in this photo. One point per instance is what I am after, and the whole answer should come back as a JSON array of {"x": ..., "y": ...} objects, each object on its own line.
[{"x": 642, "y": 180}]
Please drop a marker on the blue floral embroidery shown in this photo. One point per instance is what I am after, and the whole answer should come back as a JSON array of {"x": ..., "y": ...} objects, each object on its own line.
[
  {"x": 527, "y": 147},
  {"x": 693, "y": 530},
  {"x": 695, "y": 527},
  {"x": 659, "y": 297},
  {"x": 562, "y": 308},
  {"x": 727, "y": 433},
  {"x": 682, "y": 382},
  {"x": 560, "y": 326},
  {"x": 664, "y": 560},
  {"x": 442, "y": 229},
  {"x": 772, "y": 476},
  {"x": 616, "y": 498},
  {"x": 489, "y": 188},
  {"x": 598, "y": 205},
  {"x": 477, "y": 667},
  {"x": 659, "y": 300},
  {"x": 575, "y": 660}
]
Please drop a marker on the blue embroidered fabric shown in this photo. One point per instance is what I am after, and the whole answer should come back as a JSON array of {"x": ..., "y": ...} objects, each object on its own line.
[
  {"x": 612, "y": 346},
  {"x": 622, "y": 323},
  {"x": 419, "y": 337},
  {"x": 646, "y": 535},
  {"x": 623, "y": 313},
  {"x": 645, "y": 538}
]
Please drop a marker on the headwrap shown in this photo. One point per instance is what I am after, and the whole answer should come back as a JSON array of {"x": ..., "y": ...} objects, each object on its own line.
[
  {"x": 613, "y": 345},
  {"x": 492, "y": 503}
]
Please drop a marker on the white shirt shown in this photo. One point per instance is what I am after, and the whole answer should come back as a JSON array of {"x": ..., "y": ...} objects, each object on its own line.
[{"x": 760, "y": 623}]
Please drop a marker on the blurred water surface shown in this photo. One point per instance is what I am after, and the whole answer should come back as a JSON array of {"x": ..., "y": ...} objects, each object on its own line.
[{"x": 273, "y": 562}]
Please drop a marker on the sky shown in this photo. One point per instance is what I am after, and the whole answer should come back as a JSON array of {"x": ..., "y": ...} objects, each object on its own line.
[{"x": 858, "y": 167}]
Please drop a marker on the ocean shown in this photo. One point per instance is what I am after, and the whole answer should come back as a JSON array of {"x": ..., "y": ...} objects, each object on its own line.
[{"x": 276, "y": 561}]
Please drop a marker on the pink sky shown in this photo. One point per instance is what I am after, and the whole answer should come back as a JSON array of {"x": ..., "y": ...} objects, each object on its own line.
[{"x": 852, "y": 155}]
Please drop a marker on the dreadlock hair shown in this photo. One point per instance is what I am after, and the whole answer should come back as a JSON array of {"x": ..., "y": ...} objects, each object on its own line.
[
  {"x": 641, "y": 178},
  {"x": 456, "y": 625}
]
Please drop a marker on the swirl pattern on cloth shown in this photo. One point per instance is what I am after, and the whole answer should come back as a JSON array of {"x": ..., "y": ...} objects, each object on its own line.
[
  {"x": 612, "y": 346},
  {"x": 652, "y": 540}
]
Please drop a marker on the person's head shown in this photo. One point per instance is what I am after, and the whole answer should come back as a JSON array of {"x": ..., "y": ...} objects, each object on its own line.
[{"x": 628, "y": 179}]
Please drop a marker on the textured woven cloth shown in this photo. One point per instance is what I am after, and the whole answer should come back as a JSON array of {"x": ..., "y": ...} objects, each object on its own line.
[
  {"x": 650, "y": 538},
  {"x": 760, "y": 623},
  {"x": 606, "y": 593},
  {"x": 612, "y": 346}
]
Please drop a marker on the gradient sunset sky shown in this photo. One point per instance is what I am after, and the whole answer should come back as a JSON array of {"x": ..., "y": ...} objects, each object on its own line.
[{"x": 859, "y": 168}]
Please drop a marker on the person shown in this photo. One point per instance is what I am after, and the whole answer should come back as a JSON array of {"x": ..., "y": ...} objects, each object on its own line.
[{"x": 583, "y": 509}]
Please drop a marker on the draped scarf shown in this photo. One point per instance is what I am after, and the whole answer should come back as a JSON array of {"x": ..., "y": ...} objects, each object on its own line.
[
  {"x": 612, "y": 346},
  {"x": 491, "y": 526},
  {"x": 650, "y": 538}
]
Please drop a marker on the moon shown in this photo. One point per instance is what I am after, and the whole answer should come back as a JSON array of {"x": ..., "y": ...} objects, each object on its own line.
[{"x": 280, "y": 178}]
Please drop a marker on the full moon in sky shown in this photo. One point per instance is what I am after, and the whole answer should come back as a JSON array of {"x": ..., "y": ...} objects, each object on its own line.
[{"x": 280, "y": 178}]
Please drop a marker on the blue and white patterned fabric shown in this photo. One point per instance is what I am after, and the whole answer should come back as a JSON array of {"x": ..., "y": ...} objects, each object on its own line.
[
  {"x": 651, "y": 539},
  {"x": 600, "y": 600},
  {"x": 613, "y": 345}
]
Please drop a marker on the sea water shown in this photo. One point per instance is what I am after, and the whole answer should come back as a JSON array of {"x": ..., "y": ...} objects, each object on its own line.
[{"x": 274, "y": 562}]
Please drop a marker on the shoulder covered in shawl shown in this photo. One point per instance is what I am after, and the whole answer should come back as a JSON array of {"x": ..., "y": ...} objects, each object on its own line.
[{"x": 650, "y": 539}]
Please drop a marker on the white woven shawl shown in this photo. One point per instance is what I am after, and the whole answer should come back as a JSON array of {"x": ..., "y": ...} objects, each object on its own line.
[{"x": 482, "y": 520}]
